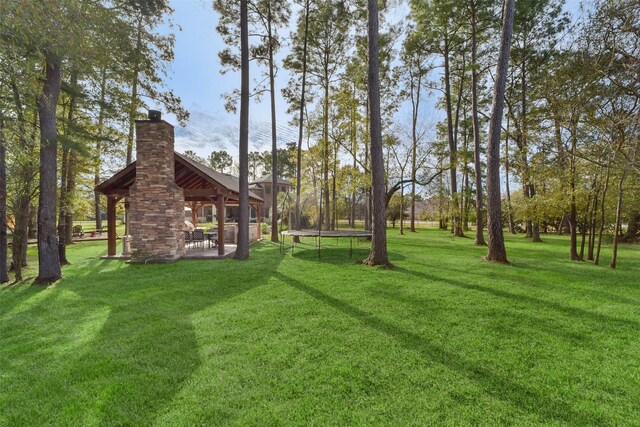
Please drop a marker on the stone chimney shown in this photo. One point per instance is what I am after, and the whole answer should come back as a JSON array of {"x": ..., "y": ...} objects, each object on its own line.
[{"x": 156, "y": 208}]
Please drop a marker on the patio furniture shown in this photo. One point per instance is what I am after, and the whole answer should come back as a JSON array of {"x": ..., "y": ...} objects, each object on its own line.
[
  {"x": 76, "y": 231},
  {"x": 212, "y": 237},
  {"x": 187, "y": 238},
  {"x": 198, "y": 237}
]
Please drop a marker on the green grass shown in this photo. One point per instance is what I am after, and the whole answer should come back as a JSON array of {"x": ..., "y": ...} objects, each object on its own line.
[
  {"x": 444, "y": 338},
  {"x": 89, "y": 226}
]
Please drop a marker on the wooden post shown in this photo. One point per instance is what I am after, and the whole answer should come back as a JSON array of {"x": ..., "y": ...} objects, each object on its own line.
[
  {"x": 111, "y": 225},
  {"x": 194, "y": 214},
  {"x": 220, "y": 203},
  {"x": 258, "y": 219}
]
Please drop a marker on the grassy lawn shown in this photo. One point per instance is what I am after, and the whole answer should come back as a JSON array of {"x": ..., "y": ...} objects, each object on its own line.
[
  {"x": 89, "y": 226},
  {"x": 444, "y": 338}
]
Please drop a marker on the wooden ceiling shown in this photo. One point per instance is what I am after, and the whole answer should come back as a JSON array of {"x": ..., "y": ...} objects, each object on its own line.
[{"x": 197, "y": 184}]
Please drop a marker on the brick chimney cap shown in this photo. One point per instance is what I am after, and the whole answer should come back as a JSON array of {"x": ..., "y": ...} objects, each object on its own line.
[{"x": 155, "y": 115}]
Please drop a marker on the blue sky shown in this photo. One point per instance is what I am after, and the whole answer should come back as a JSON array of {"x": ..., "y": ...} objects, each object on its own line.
[{"x": 195, "y": 77}]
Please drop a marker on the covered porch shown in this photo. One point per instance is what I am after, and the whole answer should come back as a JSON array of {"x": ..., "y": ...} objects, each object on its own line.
[{"x": 200, "y": 185}]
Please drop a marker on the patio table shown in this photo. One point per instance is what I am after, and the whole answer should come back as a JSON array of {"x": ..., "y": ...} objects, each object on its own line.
[{"x": 211, "y": 236}]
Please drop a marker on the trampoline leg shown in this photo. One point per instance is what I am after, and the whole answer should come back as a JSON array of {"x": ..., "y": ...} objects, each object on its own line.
[{"x": 350, "y": 247}]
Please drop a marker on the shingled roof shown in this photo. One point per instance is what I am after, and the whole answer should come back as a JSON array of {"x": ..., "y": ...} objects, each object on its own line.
[{"x": 188, "y": 174}]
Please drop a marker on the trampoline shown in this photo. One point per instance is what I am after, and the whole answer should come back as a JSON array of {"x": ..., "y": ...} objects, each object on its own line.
[{"x": 319, "y": 234}]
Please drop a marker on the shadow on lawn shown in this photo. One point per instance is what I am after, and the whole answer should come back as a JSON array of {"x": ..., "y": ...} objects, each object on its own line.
[
  {"x": 556, "y": 282},
  {"x": 15, "y": 293},
  {"x": 573, "y": 312},
  {"x": 494, "y": 383},
  {"x": 137, "y": 341},
  {"x": 334, "y": 255}
]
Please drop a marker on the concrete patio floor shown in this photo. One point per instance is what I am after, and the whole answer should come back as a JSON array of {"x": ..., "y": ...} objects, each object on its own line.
[{"x": 209, "y": 253}]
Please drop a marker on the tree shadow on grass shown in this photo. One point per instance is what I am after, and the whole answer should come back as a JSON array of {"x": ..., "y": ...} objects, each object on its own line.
[
  {"x": 435, "y": 306},
  {"x": 14, "y": 293},
  {"x": 574, "y": 312},
  {"x": 498, "y": 385},
  {"x": 114, "y": 346},
  {"x": 333, "y": 254},
  {"x": 556, "y": 283}
]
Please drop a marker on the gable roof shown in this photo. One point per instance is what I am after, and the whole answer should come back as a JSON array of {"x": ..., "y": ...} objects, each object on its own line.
[{"x": 188, "y": 174}]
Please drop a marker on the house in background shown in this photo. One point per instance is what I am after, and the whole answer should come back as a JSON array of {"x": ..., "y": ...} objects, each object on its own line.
[{"x": 262, "y": 188}]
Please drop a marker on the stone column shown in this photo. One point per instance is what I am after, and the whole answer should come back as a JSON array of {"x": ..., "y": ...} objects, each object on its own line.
[{"x": 156, "y": 202}]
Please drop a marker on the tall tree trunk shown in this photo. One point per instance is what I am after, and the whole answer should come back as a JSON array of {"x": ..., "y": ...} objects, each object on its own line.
[
  {"x": 458, "y": 228},
  {"x": 441, "y": 214},
  {"x": 48, "y": 260},
  {"x": 325, "y": 151},
  {"x": 20, "y": 235},
  {"x": 512, "y": 225},
  {"x": 274, "y": 137},
  {"x": 496, "y": 248},
  {"x": 402, "y": 202},
  {"x": 367, "y": 162},
  {"x": 632, "y": 227},
  {"x": 586, "y": 223},
  {"x": 62, "y": 233},
  {"x": 573, "y": 209},
  {"x": 378, "y": 254},
  {"x": 465, "y": 187},
  {"x": 592, "y": 221},
  {"x": 4, "y": 275},
  {"x": 64, "y": 228},
  {"x": 583, "y": 232},
  {"x": 617, "y": 234},
  {"x": 334, "y": 204},
  {"x": 415, "y": 104},
  {"x": 26, "y": 174},
  {"x": 596, "y": 261},
  {"x": 453, "y": 182},
  {"x": 533, "y": 225},
  {"x": 354, "y": 146},
  {"x": 71, "y": 189},
  {"x": 242, "y": 250},
  {"x": 72, "y": 166},
  {"x": 133, "y": 112},
  {"x": 301, "y": 117},
  {"x": 97, "y": 158},
  {"x": 476, "y": 127},
  {"x": 133, "y": 106}
]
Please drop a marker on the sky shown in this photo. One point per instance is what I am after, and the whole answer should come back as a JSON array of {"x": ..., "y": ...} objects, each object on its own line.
[{"x": 195, "y": 77}]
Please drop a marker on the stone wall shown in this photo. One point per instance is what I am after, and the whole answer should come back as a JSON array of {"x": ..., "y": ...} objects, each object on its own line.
[{"x": 156, "y": 213}]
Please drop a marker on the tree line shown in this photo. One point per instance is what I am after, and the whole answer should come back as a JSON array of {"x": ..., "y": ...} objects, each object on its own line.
[
  {"x": 520, "y": 115},
  {"x": 75, "y": 75},
  {"x": 498, "y": 113}
]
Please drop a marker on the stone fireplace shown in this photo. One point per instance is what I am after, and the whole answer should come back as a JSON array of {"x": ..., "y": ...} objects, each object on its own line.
[{"x": 156, "y": 208}]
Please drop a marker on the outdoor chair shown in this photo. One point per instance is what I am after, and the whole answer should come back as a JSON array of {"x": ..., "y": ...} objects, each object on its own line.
[
  {"x": 187, "y": 238},
  {"x": 76, "y": 231},
  {"x": 212, "y": 237},
  {"x": 198, "y": 237}
]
